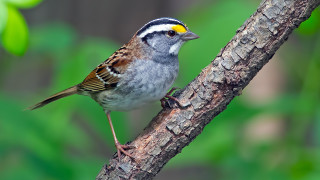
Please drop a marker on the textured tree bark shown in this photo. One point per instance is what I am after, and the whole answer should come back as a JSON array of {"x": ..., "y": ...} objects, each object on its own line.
[{"x": 207, "y": 95}]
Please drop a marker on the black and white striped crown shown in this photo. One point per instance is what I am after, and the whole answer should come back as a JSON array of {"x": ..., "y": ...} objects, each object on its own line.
[{"x": 158, "y": 25}]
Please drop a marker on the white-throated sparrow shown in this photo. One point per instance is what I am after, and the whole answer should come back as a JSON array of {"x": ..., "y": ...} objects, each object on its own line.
[{"x": 141, "y": 71}]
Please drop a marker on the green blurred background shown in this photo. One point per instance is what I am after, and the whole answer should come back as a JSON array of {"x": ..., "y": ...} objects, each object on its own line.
[{"x": 271, "y": 131}]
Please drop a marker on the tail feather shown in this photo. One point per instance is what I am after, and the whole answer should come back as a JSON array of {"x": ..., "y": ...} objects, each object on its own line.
[{"x": 67, "y": 92}]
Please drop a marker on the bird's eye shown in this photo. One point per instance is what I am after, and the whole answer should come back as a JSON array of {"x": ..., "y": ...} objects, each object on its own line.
[{"x": 171, "y": 33}]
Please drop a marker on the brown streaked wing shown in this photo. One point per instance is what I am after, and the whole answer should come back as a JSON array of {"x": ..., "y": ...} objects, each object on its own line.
[
  {"x": 92, "y": 83},
  {"x": 107, "y": 75}
]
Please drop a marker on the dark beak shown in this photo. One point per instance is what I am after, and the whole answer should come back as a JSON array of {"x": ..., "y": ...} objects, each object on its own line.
[{"x": 189, "y": 36}]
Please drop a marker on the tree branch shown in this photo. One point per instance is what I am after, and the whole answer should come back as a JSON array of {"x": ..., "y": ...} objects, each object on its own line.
[{"x": 207, "y": 95}]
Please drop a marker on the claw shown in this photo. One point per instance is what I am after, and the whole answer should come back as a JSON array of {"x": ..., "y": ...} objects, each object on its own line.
[
  {"x": 168, "y": 96},
  {"x": 122, "y": 149}
]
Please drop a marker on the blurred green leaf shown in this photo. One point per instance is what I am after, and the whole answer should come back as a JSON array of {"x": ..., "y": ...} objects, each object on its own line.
[
  {"x": 3, "y": 16},
  {"x": 317, "y": 129},
  {"x": 15, "y": 34},
  {"x": 23, "y": 3}
]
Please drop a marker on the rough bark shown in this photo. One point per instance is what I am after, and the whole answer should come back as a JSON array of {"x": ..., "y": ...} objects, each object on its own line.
[{"x": 207, "y": 95}]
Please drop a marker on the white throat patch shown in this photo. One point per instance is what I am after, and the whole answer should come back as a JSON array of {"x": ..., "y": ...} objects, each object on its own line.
[{"x": 174, "y": 49}]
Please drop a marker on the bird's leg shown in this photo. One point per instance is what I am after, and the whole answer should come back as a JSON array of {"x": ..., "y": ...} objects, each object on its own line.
[
  {"x": 120, "y": 147},
  {"x": 168, "y": 96}
]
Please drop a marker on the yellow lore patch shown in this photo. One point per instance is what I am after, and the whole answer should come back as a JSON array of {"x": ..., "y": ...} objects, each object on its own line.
[{"x": 179, "y": 28}]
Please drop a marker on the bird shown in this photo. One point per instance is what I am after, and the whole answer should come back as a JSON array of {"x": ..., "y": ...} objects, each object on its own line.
[{"x": 138, "y": 73}]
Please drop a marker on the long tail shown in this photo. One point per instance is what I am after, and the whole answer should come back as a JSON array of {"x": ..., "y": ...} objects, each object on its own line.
[{"x": 70, "y": 91}]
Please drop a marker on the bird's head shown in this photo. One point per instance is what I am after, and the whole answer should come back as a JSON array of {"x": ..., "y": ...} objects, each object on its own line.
[{"x": 165, "y": 35}]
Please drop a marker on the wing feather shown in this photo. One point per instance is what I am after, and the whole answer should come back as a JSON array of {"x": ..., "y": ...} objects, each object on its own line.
[{"x": 107, "y": 75}]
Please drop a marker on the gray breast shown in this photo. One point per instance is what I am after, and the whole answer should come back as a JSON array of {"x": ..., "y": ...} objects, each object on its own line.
[{"x": 144, "y": 81}]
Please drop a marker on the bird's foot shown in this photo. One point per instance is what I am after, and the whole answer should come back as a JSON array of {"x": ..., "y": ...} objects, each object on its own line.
[
  {"x": 168, "y": 96},
  {"x": 122, "y": 149}
]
